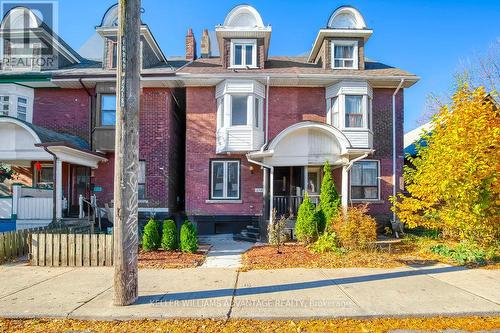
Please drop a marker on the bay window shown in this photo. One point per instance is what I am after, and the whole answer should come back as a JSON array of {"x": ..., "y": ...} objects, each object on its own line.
[
  {"x": 22, "y": 108},
  {"x": 239, "y": 106},
  {"x": 225, "y": 179},
  {"x": 241, "y": 110},
  {"x": 365, "y": 180},
  {"x": 244, "y": 53},
  {"x": 344, "y": 54}
]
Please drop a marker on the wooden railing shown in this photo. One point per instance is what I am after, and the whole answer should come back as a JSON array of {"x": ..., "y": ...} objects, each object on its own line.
[{"x": 288, "y": 205}]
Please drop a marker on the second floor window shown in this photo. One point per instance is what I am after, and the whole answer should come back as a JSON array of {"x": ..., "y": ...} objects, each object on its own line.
[
  {"x": 114, "y": 54},
  {"x": 239, "y": 110},
  {"x": 243, "y": 53},
  {"x": 4, "y": 105},
  {"x": 353, "y": 111},
  {"x": 22, "y": 108},
  {"x": 344, "y": 54},
  {"x": 108, "y": 110}
]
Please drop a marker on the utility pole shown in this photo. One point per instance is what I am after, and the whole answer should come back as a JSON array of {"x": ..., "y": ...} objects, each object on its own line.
[{"x": 127, "y": 153}]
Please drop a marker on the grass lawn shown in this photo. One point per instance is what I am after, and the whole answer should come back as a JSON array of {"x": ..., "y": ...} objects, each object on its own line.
[
  {"x": 181, "y": 326},
  {"x": 411, "y": 250}
]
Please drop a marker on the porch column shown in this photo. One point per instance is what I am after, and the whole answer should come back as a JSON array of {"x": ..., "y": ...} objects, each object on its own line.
[
  {"x": 58, "y": 189},
  {"x": 271, "y": 195},
  {"x": 345, "y": 187}
]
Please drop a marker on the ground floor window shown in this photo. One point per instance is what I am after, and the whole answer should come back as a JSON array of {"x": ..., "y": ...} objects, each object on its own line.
[
  {"x": 225, "y": 179},
  {"x": 365, "y": 180},
  {"x": 142, "y": 180},
  {"x": 44, "y": 177}
]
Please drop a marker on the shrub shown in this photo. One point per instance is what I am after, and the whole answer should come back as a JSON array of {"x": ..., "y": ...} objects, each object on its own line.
[
  {"x": 189, "y": 237},
  {"x": 309, "y": 221},
  {"x": 169, "y": 236},
  {"x": 329, "y": 199},
  {"x": 464, "y": 253},
  {"x": 355, "y": 229},
  {"x": 327, "y": 242},
  {"x": 151, "y": 236},
  {"x": 276, "y": 233}
]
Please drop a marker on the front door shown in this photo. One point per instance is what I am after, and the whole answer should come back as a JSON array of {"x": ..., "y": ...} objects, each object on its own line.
[{"x": 79, "y": 185}]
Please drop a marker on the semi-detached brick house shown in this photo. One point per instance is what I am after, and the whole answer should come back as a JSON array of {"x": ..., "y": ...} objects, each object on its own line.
[{"x": 230, "y": 136}]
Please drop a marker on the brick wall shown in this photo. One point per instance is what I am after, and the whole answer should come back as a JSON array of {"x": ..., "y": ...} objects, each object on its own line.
[
  {"x": 62, "y": 110},
  {"x": 159, "y": 139},
  {"x": 200, "y": 148}
]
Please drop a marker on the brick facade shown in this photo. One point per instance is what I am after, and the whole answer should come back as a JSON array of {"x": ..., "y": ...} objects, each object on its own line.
[
  {"x": 160, "y": 139},
  {"x": 63, "y": 110}
]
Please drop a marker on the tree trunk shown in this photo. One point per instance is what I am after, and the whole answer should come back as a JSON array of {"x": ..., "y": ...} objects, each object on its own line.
[{"x": 127, "y": 154}]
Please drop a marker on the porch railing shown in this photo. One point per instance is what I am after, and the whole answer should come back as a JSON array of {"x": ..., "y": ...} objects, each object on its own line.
[{"x": 288, "y": 205}]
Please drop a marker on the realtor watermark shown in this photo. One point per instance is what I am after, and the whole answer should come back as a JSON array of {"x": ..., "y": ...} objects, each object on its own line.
[
  {"x": 28, "y": 32},
  {"x": 258, "y": 303}
]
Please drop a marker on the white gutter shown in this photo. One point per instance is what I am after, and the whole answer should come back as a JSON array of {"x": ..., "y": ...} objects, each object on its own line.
[
  {"x": 350, "y": 163},
  {"x": 394, "y": 150}
]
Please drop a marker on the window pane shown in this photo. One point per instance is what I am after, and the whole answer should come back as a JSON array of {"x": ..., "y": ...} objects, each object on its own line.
[
  {"x": 232, "y": 180},
  {"x": 237, "y": 54},
  {"x": 364, "y": 180},
  {"x": 357, "y": 192},
  {"x": 22, "y": 100},
  {"x": 220, "y": 108},
  {"x": 248, "y": 55},
  {"x": 108, "y": 110},
  {"x": 357, "y": 174},
  {"x": 46, "y": 175},
  {"x": 238, "y": 110},
  {"x": 256, "y": 109},
  {"x": 141, "y": 192},
  {"x": 217, "y": 179},
  {"x": 370, "y": 193},
  {"x": 142, "y": 172},
  {"x": 353, "y": 111},
  {"x": 5, "y": 98},
  {"x": 115, "y": 56}
]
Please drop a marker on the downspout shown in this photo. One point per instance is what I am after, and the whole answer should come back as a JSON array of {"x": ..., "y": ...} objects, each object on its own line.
[
  {"x": 267, "y": 115},
  {"x": 394, "y": 150},
  {"x": 351, "y": 162},
  {"x": 54, "y": 191}
]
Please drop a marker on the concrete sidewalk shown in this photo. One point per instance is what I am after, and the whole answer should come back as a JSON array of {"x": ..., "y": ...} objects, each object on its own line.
[{"x": 86, "y": 293}]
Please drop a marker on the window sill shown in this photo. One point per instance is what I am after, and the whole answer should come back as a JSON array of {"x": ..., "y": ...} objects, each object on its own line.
[
  {"x": 344, "y": 67},
  {"x": 143, "y": 201},
  {"x": 368, "y": 201},
  {"x": 223, "y": 201},
  {"x": 243, "y": 67}
]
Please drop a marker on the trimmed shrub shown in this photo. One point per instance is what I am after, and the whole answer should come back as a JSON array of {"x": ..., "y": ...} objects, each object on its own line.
[
  {"x": 355, "y": 229},
  {"x": 329, "y": 199},
  {"x": 169, "y": 236},
  {"x": 309, "y": 221},
  {"x": 151, "y": 236},
  {"x": 189, "y": 237}
]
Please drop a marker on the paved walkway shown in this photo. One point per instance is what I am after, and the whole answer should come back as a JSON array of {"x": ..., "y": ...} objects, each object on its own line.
[
  {"x": 224, "y": 251},
  {"x": 86, "y": 293}
]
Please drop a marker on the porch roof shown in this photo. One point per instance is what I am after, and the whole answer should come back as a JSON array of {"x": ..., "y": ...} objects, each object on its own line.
[{"x": 23, "y": 141}]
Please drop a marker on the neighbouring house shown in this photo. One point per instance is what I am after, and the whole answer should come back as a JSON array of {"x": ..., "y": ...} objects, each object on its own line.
[
  {"x": 260, "y": 127},
  {"x": 62, "y": 115},
  {"x": 225, "y": 138}
]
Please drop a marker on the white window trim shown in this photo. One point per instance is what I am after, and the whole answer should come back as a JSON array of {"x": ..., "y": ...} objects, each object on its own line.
[
  {"x": 25, "y": 105},
  {"x": 364, "y": 113},
  {"x": 378, "y": 184},
  {"x": 244, "y": 42},
  {"x": 224, "y": 184},
  {"x": 345, "y": 43},
  {"x": 225, "y": 111}
]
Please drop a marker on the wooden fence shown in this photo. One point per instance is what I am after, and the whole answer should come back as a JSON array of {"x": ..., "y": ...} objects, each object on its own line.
[
  {"x": 15, "y": 244},
  {"x": 70, "y": 249}
]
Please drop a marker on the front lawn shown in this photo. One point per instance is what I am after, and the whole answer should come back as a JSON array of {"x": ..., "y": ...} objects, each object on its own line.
[
  {"x": 412, "y": 250},
  {"x": 433, "y": 324}
]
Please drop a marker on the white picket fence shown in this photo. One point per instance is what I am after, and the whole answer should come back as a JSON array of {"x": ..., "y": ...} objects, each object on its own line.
[{"x": 5, "y": 208}]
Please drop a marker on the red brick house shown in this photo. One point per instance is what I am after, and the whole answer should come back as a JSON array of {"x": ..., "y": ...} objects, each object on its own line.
[
  {"x": 259, "y": 128},
  {"x": 227, "y": 137}
]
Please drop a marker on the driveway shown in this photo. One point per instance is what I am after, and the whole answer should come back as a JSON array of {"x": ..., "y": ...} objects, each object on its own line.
[{"x": 86, "y": 293}]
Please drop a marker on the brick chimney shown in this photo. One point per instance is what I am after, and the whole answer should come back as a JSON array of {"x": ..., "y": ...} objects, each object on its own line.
[
  {"x": 205, "y": 45},
  {"x": 190, "y": 46}
]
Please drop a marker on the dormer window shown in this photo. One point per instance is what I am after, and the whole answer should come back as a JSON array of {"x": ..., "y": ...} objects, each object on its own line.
[
  {"x": 243, "y": 53},
  {"x": 344, "y": 54}
]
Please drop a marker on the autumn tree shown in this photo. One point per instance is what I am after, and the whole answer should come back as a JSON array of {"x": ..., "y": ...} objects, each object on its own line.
[{"x": 453, "y": 183}]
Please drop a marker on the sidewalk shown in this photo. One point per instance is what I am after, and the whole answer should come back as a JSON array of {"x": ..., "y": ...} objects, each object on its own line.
[
  {"x": 86, "y": 293},
  {"x": 224, "y": 251}
]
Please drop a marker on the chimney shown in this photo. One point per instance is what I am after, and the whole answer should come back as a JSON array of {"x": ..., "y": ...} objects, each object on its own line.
[
  {"x": 190, "y": 46},
  {"x": 205, "y": 45}
]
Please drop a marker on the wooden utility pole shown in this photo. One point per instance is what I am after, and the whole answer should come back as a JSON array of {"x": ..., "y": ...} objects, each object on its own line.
[{"x": 127, "y": 153}]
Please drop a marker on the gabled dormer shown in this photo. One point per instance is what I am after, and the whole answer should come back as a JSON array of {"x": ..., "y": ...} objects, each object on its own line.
[
  {"x": 30, "y": 45},
  {"x": 151, "y": 54},
  {"x": 243, "y": 39},
  {"x": 341, "y": 44}
]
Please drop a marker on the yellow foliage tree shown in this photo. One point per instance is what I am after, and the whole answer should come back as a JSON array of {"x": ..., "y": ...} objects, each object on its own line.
[{"x": 453, "y": 183}]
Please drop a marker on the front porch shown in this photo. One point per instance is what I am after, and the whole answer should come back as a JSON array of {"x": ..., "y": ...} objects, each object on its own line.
[{"x": 52, "y": 172}]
